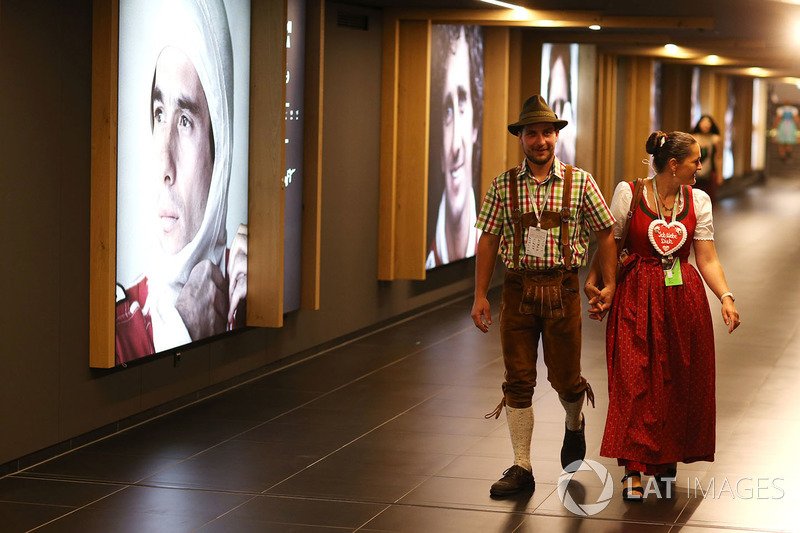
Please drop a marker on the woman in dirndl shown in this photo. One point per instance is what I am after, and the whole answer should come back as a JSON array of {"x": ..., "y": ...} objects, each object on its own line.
[
  {"x": 659, "y": 336},
  {"x": 786, "y": 124}
]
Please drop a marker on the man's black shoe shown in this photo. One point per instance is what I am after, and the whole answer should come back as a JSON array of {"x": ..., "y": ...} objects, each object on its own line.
[
  {"x": 515, "y": 479},
  {"x": 574, "y": 447}
]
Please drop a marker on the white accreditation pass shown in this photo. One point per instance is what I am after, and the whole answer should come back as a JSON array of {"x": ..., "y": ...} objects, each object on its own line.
[{"x": 534, "y": 245}]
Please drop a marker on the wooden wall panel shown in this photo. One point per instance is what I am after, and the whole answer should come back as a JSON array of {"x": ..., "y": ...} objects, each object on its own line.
[
  {"x": 387, "y": 200},
  {"x": 742, "y": 125},
  {"x": 103, "y": 238},
  {"x": 719, "y": 106},
  {"x": 605, "y": 172},
  {"x": 530, "y": 67},
  {"x": 495, "y": 106},
  {"x": 312, "y": 154},
  {"x": 676, "y": 97},
  {"x": 709, "y": 80},
  {"x": 639, "y": 84},
  {"x": 413, "y": 105},
  {"x": 525, "y": 80},
  {"x": 267, "y": 163},
  {"x": 586, "y": 118},
  {"x": 515, "y": 98}
]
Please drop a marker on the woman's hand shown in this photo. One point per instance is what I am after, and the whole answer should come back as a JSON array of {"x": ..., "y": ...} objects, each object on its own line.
[{"x": 730, "y": 315}]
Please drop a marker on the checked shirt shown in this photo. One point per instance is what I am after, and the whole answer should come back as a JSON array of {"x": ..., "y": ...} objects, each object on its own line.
[{"x": 588, "y": 211}]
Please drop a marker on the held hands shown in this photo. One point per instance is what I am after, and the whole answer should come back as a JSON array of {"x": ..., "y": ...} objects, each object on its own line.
[
  {"x": 203, "y": 300},
  {"x": 730, "y": 315},
  {"x": 600, "y": 299},
  {"x": 481, "y": 310}
]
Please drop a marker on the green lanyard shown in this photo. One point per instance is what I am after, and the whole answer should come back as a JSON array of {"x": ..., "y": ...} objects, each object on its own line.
[{"x": 676, "y": 205}]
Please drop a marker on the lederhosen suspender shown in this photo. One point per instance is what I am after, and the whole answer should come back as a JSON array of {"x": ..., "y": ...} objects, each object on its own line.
[{"x": 550, "y": 219}]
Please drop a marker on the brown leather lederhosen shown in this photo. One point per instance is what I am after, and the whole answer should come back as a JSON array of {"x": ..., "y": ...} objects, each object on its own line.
[{"x": 541, "y": 303}]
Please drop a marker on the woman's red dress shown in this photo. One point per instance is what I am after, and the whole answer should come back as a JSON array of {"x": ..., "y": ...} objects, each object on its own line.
[{"x": 660, "y": 357}]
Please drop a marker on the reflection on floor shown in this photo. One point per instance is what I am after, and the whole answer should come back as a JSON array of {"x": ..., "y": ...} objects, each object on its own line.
[{"x": 387, "y": 432}]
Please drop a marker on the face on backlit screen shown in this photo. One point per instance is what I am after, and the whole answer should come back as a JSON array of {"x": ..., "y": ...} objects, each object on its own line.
[{"x": 181, "y": 150}]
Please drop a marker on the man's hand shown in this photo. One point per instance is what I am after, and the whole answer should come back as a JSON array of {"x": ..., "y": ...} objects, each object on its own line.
[
  {"x": 481, "y": 310},
  {"x": 595, "y": 301},
  {"x": 203, "y": 301},
  {"x": 237, "y": 273},
  {"x": 600, "y": 300}
]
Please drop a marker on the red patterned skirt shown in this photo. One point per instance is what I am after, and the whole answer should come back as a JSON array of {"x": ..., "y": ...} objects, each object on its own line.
[{"x": 660, "y": 357}]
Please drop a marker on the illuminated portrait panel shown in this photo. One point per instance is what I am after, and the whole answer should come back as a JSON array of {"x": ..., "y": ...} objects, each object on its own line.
[
  {"x": 560, "y": 90},
  {"x": 456, "y": 116},
  {"x": 182, "y": 169}
]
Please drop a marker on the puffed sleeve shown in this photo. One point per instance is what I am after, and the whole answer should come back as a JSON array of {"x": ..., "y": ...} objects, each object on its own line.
[
  {"x": 620, "y": 204},
  {"x": 704, "y": 231}
]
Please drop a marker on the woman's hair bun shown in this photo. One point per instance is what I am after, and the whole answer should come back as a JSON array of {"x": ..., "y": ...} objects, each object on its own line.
[{"x": 655, "y": 141}]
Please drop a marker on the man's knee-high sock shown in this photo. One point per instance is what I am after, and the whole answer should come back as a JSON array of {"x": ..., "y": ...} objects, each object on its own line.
[
  {"x": 573, "y": 410},
  {"x": 520, "y": 427}
]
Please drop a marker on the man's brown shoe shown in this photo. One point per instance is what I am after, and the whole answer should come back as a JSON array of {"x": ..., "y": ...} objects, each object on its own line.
[{"x": 514, "y": 480}]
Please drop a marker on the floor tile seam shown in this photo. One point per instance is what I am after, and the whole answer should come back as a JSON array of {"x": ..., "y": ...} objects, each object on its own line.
[
  {"x": 678, "y": 521},
  {"x": 598, "y": 518},
  {"x": 440, "y": 507},
  {"x": 77, "y": 509},
  {"x": 714, "y": 526},
  {"x": 353, "y": 441},
  {"x": 42, "y": 504},
  {"x": 472, "y": 508},
  {"x": 225, "y": 513},
  {"x": 71, "y": 478},
  {"x": 61, "y": 479},
  {"x": 136, "y": 484}
]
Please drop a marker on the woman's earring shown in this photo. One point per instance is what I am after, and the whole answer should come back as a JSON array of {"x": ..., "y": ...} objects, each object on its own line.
[{"x": 673, "y": 173}]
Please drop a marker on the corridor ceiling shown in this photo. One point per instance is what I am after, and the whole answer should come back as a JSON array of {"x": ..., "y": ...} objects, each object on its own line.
[{"x": 751, "y": 37}]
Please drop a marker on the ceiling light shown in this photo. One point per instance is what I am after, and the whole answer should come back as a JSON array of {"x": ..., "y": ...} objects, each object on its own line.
[
  {"x": 712, "y": 59},
  {"x": 757, "y": 71},
  {"x": 671, "y": 48},
  {"x": 502, "y": 4},
  {"x": 594, "y": 27}
]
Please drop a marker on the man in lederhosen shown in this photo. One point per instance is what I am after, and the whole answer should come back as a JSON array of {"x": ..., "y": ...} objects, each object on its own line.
[{"x": 541, "y": 213}]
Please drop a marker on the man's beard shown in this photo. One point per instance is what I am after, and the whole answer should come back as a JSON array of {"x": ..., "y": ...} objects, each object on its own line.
[{"x": 541, "y": 157}]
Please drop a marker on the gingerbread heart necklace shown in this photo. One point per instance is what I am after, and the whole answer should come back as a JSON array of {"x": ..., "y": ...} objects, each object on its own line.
[{"x": 667, "y": 237}]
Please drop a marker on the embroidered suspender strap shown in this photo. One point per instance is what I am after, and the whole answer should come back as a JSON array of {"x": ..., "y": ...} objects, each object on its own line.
[
  {"x": 516, "y": 215},
  {"x": 566, "y": 251},
  {"x": 638, "y": 190}
]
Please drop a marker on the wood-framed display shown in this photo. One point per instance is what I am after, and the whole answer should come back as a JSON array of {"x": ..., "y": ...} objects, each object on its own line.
[
  {"x": 436, "y": 88},
  {"x": 187, "y": 187}
]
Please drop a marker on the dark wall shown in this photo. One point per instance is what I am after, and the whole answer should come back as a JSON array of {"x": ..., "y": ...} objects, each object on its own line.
[{"x": 48, "y": 393}]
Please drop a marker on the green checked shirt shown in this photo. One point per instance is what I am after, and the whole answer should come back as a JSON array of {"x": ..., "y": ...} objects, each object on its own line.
[{"x": 588, "y": 211}]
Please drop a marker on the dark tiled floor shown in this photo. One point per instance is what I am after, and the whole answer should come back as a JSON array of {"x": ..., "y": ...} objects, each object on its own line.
[{"x": 386, "y": 433}]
